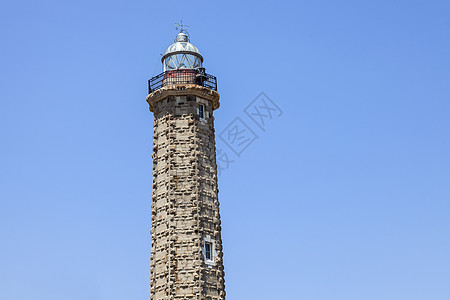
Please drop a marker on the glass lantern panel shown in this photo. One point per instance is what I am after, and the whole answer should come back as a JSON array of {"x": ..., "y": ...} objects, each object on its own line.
[
  {"x": 182, "y": 61},
  {"x": 169, "y": 64},
  {"x": 197, "y": 62}
]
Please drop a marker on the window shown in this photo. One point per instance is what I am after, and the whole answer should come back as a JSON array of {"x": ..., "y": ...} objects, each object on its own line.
[
  {"x": 201, "y": 111},
  {"x": 208, "y": 249}
]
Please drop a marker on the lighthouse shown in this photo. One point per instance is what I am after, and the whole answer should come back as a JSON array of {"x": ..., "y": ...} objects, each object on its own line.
[{"x": 186, "y": 244}]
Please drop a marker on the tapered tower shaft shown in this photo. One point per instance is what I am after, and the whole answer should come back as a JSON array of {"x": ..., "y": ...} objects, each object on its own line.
[{"x": 186, "y": 244}]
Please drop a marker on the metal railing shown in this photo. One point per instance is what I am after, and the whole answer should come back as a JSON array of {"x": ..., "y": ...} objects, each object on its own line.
[{"x": 182, "y": 76}]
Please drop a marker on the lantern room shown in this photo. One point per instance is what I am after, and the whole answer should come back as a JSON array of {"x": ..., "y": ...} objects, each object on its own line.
[{"x": 181, "y": 55}]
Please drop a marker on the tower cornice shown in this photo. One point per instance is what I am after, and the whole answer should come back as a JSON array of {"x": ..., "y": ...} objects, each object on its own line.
[{"x": 182, "y": 90}]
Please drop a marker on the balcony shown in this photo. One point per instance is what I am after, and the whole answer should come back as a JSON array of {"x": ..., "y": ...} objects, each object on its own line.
[{"x": 182, "y": 76}]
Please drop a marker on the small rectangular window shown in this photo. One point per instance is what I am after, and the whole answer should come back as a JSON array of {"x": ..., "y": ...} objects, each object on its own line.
[
  {"x": 201, "y": 111},
  {"x": 208, "y": 251}
]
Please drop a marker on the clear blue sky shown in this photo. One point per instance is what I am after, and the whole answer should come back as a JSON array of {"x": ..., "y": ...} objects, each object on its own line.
[{"x": 345, "y": 196}]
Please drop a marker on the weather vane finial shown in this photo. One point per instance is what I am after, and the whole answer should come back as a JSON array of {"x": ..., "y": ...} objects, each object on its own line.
[{"x": 181, "y": 27}]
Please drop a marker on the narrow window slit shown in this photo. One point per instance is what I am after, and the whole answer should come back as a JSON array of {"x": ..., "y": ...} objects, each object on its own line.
[
  {"x": 208, "y": 251},
  {"x": 201, "y": 111}
]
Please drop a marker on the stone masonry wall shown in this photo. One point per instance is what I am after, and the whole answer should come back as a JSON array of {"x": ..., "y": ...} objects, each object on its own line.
[{"x": 185, "y": 207}]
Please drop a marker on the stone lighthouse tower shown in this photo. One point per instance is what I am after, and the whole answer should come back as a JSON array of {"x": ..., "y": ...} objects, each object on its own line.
[{"x": 186, "y": 244}]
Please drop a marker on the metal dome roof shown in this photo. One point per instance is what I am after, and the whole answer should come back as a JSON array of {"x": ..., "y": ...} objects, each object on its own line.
[{"x": 181, "y": 46}]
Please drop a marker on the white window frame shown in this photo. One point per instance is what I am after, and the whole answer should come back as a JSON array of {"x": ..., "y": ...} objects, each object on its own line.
[
  {"x": 205, "y": 113},
  {"x": 212, "y": 261},
  {"x": 208, "y": 245}
]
